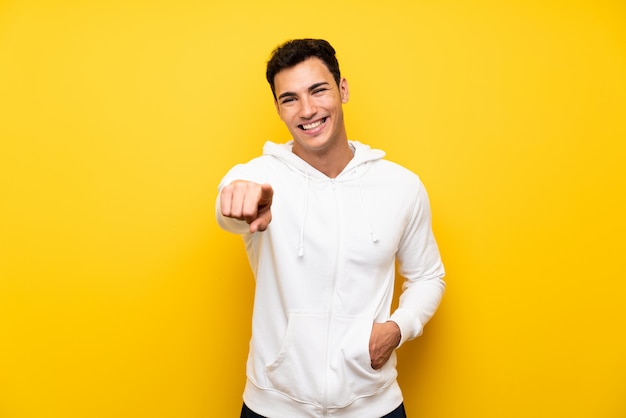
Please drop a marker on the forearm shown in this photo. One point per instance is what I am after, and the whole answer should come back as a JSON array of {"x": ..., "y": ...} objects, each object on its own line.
[{"x": 418, "y": 302}]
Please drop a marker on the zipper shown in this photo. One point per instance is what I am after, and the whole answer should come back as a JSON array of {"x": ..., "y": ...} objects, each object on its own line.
[{"x": 331, "y": 307}]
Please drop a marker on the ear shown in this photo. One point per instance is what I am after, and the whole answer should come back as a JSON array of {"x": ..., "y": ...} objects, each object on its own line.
[{"x": 344, "y": 90}]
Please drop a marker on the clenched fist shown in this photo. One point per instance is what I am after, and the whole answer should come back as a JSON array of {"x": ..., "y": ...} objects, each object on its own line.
[{"x": 248, "y": 201}]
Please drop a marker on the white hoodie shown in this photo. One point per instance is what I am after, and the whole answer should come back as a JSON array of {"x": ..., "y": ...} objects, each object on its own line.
[{"x": 324, "y": 271}]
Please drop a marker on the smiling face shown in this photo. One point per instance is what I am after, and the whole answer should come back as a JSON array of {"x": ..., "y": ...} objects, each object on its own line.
[{"x": 309, "y": 102}]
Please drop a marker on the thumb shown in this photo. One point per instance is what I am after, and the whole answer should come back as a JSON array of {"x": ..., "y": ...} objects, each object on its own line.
[{"x": 267, "y": 192}]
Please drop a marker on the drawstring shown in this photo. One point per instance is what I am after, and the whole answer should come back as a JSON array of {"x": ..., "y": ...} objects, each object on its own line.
[{"x": 304, "y": 212}]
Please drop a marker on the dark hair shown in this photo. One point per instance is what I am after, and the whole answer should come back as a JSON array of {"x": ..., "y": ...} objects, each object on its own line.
[{"x": 293, "y": 52}]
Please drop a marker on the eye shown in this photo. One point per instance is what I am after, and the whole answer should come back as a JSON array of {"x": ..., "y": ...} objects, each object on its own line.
[
  {"x": 320, "y": 90},
  {"x": 287, "y": 100}
]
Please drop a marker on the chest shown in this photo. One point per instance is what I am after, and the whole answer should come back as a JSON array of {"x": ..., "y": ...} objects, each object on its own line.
[{"x": 358, "y": 223}]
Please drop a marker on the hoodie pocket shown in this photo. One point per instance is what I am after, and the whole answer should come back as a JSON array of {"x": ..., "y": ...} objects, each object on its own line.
[
  {"x": 321, "y": 365},
  {"x": 351, "y": 368},
  {"x": 298, "y": 370}
]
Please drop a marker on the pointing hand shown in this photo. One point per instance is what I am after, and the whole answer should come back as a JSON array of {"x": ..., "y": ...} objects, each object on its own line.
[{"x": 248, "y": 201}]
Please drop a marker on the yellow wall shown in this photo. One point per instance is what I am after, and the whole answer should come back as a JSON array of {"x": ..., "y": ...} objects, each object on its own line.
[{"x": 119, "y": 295}]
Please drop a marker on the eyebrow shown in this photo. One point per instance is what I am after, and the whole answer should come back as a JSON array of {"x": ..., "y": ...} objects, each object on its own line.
[{"x": 311, "y": 88}]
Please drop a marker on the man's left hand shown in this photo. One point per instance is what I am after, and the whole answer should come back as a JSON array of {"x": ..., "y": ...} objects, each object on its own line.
[{"x": 384, "y": 339}]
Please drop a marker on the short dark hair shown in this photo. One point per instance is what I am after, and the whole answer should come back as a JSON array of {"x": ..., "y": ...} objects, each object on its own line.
[{"x": 293, "y": 52}]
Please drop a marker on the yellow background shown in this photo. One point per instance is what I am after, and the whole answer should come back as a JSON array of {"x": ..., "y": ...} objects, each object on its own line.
[{"x": 120, "y": 296}]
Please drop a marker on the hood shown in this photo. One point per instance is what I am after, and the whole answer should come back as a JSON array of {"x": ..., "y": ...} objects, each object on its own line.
[{"x": 363, "y": 155}]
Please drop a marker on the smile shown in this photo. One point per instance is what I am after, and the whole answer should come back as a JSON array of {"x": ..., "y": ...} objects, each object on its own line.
[{"x": 313, "y": 125}]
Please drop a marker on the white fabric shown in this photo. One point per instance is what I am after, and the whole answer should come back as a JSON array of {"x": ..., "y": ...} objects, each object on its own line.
[{"x": 324, "y": 273}]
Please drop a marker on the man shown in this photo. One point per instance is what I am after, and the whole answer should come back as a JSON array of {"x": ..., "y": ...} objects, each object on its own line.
[{"x": 324, "y": 220}]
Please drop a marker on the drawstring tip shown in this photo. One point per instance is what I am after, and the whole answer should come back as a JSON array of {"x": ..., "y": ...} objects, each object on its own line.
[
  {"x": 374, "y": 237},
  {"x": 300, "y": 252}
]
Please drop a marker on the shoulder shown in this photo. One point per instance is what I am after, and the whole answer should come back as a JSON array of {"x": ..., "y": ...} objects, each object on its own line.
[
  {"x": 393, "y": 171},
  {"x": 256, "y": 170}
]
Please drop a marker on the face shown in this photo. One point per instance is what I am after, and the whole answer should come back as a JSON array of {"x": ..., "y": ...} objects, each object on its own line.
[{"x": 310, "y": 102}]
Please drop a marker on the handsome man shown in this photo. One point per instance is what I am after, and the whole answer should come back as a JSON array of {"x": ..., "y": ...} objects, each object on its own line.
[{"x": 324, "y": 220}]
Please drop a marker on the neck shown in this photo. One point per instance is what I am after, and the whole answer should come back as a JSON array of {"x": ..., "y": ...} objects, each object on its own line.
[{"x": 330, "y": 162}]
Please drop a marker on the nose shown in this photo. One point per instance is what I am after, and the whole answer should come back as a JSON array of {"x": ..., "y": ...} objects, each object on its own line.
[{"x": 307, "y": 108}]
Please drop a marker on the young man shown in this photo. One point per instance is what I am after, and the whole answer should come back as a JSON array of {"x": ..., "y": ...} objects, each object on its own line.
[{"x": 324, "y": 220}]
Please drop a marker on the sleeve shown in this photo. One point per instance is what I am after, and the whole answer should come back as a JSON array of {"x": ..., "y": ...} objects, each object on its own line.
[{"x": 421, "y": 266}]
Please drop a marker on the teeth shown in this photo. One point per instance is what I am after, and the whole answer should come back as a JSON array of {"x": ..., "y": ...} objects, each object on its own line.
[{"x": 312, "y": 125}]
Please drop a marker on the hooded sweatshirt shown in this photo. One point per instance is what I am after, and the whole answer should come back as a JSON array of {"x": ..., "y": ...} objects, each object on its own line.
[{"x": 324, "y": 271}]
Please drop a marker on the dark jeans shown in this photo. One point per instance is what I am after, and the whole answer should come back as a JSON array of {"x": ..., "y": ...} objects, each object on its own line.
[{"x": 396, "y": 413}]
